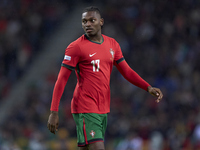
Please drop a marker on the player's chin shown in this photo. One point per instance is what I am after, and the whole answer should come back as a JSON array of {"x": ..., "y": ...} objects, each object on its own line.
[{"x": 90, "y": 33}]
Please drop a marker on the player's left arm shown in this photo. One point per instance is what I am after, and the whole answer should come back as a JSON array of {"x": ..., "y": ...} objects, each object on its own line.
[{"x": 130, "y": 75}]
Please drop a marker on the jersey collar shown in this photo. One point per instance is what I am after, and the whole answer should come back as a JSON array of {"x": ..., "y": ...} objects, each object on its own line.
[{"x": 94, "y": 41}]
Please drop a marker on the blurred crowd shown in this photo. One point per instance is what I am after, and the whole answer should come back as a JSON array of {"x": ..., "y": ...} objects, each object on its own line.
[
  {"x": 24, "y": 24},
  {"x": 160, "y": 40}
]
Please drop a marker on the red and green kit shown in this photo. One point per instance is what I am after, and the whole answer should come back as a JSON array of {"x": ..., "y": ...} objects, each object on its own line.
[{"x": 93, "y": 64}]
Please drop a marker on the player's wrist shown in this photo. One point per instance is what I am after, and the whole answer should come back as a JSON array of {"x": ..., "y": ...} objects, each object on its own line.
[
  {"x": 148, "y": 88},
  {"x": 54, "y": 112}
]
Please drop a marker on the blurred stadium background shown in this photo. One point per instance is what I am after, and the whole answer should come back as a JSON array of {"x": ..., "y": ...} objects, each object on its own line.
[{"x": 160, "y": 40}]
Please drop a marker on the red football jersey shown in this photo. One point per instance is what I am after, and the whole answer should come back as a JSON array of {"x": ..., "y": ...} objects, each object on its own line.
[{"x": 93, "y": 64}]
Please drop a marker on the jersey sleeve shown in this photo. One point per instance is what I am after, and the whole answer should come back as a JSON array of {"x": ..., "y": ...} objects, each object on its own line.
[
  {"x": 130, "y": 75},
  {"x": 72, "y": 56},
  {"x": 118, "y": 54},
  {"x": 59, "y": 87}
]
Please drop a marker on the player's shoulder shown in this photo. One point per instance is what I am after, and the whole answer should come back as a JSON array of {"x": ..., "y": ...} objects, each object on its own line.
[{"x": 109, "y": 39}]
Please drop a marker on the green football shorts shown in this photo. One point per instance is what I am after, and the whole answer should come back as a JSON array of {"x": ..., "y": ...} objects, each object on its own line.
[{"x": 90, "y": 127}]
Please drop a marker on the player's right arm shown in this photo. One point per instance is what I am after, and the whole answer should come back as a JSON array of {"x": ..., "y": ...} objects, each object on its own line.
[
  {"x": 59, "y": 87},
  {"x": 72, "y": 55},
  {"x": 62, "y": 79}
]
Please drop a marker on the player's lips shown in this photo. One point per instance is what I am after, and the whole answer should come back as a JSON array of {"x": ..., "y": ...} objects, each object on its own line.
[{"x": 89, "y": 29}]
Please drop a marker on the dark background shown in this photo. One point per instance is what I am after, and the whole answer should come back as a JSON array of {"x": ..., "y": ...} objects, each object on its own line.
[{"x": 160, "y": 40}]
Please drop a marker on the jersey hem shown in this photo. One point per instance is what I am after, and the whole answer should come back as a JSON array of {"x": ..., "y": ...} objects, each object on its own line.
[{"x": 79, "y": 112}]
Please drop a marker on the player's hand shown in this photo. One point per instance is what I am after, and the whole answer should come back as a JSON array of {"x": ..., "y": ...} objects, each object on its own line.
[
  {"x": 155, "y": 92},
  {"x": 53, "y": 122}
]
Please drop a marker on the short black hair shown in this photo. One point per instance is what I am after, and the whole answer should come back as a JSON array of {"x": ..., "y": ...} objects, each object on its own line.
[{"x": 92, "y": 8}]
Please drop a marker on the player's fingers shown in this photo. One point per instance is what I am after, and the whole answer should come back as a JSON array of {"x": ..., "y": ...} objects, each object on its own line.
[
  {"x": 57, "y": 126},
  {"x": 157, "y": 101},
  {"x": 155, "y": 93},
  {"x": 160, "y": 95},
  {"x": 53, "y": 129},
  {"x": 48, "y": 126}
]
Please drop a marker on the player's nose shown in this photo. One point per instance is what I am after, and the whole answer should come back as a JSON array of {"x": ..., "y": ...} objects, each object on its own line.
[{"x": 88, "y": 24}]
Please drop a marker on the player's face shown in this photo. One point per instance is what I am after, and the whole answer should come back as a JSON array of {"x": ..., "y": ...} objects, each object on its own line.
[{"x": 91, "y": 23}]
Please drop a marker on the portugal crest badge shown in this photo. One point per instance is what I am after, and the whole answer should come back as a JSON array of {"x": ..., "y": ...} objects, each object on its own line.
[
  {"x": 92, "y": 133},
  {"x": 112, "y": 53}
]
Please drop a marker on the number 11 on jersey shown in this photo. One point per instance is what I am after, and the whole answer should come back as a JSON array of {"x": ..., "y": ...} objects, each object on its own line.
[{"x": 96, "y": 65}]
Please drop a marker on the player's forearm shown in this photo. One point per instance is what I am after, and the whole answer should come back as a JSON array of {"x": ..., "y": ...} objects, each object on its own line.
[
  {"x": 135, "y": 79},
  {"x": 59, "y": 88},
  {"x": 57, "y": 94},
  {"x": 132, "y": 76}
]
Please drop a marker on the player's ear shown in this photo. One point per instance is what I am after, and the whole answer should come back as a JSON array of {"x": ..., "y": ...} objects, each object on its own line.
[{"x": 101, "y": 22}]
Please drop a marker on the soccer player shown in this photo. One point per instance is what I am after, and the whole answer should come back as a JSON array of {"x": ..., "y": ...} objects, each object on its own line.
[{"x": 92, "y": 56}]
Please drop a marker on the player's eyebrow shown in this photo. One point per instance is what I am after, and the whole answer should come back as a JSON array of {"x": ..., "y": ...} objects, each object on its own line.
[{"x": 89, "y": 18}]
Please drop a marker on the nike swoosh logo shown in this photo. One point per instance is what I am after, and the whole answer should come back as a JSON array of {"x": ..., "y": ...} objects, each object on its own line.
[{"x": 92, "y": 54}]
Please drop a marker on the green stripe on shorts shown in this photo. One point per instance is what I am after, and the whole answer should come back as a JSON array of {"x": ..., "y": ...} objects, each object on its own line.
[{"x": 90, "y": 127}]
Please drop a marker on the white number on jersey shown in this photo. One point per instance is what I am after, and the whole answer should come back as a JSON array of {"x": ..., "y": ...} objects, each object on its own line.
[{"x": 96, "y": 65}]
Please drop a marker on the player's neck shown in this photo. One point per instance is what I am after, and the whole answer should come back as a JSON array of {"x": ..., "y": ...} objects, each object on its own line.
[{"x": 96, "y": 38}]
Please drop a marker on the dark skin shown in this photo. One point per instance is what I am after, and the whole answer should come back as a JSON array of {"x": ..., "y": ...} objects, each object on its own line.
[{"x": 91, "y": 24}]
